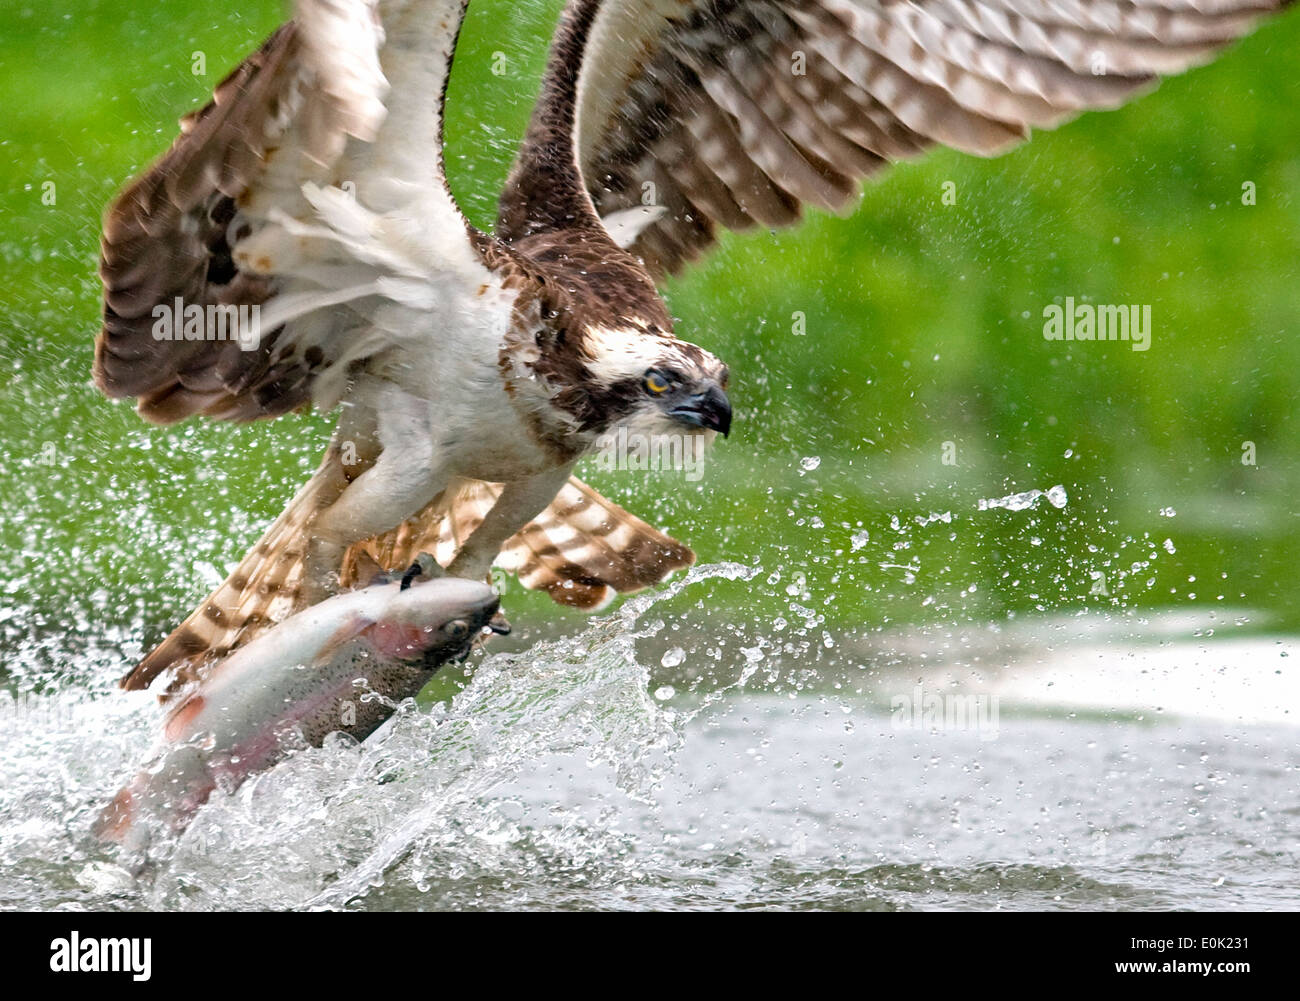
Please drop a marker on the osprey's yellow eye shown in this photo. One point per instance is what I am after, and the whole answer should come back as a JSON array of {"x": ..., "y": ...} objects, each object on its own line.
[{"x": 656, "y": 383}]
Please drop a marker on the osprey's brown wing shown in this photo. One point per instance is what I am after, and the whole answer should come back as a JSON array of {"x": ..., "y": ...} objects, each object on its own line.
[
  {"x": 243, "y": 211},
  {"x": 734, "y": 113}
]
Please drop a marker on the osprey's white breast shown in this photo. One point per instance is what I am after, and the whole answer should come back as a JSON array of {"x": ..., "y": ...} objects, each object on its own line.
[{"x": 450, "y": 367}]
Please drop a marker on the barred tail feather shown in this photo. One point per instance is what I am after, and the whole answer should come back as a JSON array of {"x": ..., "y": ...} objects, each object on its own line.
[{"x": 583, "y": 550}]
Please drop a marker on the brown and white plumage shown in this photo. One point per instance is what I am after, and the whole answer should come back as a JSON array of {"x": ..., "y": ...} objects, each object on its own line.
[
  {"x": 582, "y": 550},
  {"x": 213, "y": 221},
  {"x": 476, "y": 369},
  {"x": 739, "y": 112},
  {"x": 312, "y": 188}
]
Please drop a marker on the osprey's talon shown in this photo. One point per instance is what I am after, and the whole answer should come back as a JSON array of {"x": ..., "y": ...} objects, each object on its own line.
[{"x": 426, "y": 567}]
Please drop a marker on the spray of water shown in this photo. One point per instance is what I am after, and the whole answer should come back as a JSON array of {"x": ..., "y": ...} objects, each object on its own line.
[{"x": 333, "y": 824}]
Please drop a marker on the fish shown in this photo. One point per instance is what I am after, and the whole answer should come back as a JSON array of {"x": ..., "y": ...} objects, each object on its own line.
[{"x": 342, "y": 665}]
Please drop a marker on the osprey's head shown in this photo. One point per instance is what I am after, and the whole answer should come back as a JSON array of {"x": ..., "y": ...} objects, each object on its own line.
[{"x": 654, "y": 384}]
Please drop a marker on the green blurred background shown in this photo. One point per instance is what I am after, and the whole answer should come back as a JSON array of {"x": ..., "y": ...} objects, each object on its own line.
[{"x": 924, "y": 326}]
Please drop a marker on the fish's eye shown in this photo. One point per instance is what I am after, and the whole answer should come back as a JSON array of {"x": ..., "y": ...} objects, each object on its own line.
[
  {"x": 656, "y": 382},
  {"x": 456, "y": 629}
]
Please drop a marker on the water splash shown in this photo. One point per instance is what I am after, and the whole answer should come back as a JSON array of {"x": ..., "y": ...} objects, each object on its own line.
[
  {"x": 1056, "y": 496},
  {"x": 333, "y": 824}
]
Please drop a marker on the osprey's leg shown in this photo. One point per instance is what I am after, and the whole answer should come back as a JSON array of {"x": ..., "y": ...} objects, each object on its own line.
[
  {"x": 520, "y": 502},
  {"x": 404, "y": 478},
  {"x": 376, "y": 502}
]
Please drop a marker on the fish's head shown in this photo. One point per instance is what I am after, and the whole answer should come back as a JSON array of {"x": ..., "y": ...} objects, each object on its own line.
[{"x": 431, "y": 622}]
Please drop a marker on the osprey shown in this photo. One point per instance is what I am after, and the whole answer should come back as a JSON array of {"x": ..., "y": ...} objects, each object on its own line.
[{"x": 473, "y": 370}]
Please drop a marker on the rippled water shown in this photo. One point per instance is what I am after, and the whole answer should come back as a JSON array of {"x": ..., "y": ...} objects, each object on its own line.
[{"x": 567, "y": 777}]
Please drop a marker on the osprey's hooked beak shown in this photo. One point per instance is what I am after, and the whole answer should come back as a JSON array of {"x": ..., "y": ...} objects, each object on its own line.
[{"x": 710, "y": 408}]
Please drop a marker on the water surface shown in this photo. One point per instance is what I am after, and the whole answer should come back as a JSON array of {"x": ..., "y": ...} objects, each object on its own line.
[{"x": 575, "y": 776}]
